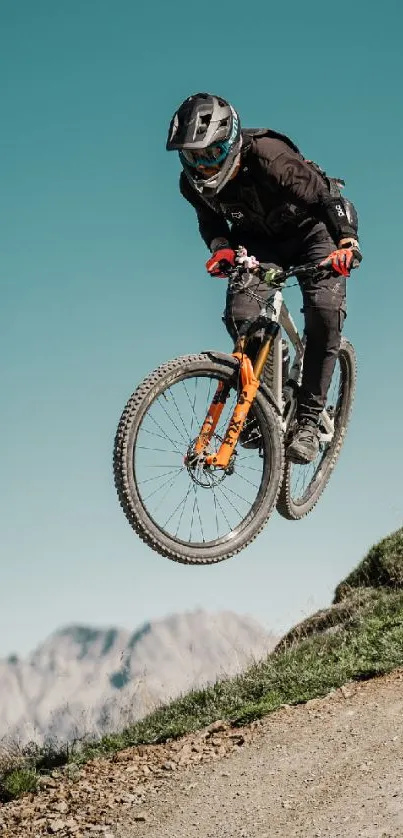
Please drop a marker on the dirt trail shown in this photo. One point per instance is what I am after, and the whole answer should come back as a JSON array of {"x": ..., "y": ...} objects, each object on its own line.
[{"x": 332, "y": 768}]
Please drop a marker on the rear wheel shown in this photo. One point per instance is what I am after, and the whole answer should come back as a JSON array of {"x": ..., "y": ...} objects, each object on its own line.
[
  {"x": 303, "y": 485},
  {"x": 184, "y": 510}
]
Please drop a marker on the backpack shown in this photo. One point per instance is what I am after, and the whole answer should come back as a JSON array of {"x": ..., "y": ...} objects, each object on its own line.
[{"x": 334, "y": 184}]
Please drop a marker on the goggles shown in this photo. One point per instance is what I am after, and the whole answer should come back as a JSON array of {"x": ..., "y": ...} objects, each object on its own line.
[{"x": 213, "y": 155}]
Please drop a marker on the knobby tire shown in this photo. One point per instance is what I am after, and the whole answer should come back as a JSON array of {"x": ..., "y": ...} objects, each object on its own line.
[{"x": 134, "y": 508}]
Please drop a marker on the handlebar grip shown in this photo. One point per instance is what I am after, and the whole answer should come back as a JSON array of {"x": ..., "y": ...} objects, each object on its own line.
[{"x": 271, "y": 275}]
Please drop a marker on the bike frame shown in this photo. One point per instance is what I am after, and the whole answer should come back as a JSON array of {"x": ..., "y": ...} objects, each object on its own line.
[
  {"x": 282, "y": 316},
  {"x": 273, "y": 318}
]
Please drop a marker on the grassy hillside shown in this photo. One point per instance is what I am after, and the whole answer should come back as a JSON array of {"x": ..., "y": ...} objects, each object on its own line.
[{"x": 358, "y": 637}]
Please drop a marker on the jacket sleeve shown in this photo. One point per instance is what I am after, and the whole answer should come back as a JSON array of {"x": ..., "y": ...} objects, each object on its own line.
[
  {"x": 212, "y": 225},
  {"x": 301, "y": 185}
]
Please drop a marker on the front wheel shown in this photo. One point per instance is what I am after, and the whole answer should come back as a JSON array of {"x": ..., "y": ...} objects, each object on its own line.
[
  {"x": 304, "y": 484},
  {"x": 185, "y": 510}
]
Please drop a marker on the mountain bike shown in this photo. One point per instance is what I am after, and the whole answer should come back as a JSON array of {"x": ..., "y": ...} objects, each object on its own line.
[{"x": 200, "y": 450}]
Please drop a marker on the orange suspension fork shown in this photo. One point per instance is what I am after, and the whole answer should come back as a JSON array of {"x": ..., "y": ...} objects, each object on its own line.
[
  {"x": 250, "y": 385},
  {"x": 213, "y": 415}
]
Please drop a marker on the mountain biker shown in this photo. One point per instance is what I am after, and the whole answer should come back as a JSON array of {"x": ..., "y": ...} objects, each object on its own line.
[{"x": 253, "y": 187}]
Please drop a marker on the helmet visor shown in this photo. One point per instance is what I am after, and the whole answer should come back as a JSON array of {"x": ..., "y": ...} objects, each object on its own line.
[{"x": 213, "y": 155}]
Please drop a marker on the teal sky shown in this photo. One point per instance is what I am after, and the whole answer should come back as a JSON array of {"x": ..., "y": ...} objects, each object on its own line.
[{"x": 102, "y": 278}]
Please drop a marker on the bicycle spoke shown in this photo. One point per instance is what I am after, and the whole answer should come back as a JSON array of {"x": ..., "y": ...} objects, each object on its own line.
[
  {"x": 192, "y": 406},
  {"x": 158, "y": 476},
  {"x": 216, "y": 513},
  {"x": 184, "y": 438},
  {"x": 176, "y": 509},
  {"x": 199, "y": 505},
  {"x": 226, "y": 488},
  {"x": 183, "y": 509},
  {"x": 160, "y": 465},
  {"x": 198, "y": 512},
  {"x": 160, "y": 450},
  {"x": 229, "y": 501},
  {"x": 229, "y": 525},
  {"x": 171, "y": 481},
  {"x": 191, "y": 523},
  {"x": 181, "y": 418},
  {"x": 249, "y": 481},
  {"x": 172, "y": 441}
]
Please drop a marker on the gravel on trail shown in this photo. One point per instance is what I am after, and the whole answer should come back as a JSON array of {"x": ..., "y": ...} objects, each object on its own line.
[{"x": 330, "y": 768}]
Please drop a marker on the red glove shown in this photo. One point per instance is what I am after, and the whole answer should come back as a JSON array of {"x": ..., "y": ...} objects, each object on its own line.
[
  {"x": 220, "y": 262},
  {"x": 342, "y": 259}
]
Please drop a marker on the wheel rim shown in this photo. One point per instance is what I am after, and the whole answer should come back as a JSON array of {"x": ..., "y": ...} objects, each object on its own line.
[
  {"x": 306, "y": 479},
  {"x": 192, "y": 505}
]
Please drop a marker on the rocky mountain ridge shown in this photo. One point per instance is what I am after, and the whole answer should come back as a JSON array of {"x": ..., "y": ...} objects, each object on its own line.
[{"x": 88, "y": 681}]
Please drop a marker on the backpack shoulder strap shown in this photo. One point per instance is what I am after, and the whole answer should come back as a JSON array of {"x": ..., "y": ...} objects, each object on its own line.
[
  {"x": 250, "y": 133},
  {"x": 335, "y": 185}
]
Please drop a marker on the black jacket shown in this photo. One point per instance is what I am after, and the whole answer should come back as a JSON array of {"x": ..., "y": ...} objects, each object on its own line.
[{"x": 275, "y": 194}]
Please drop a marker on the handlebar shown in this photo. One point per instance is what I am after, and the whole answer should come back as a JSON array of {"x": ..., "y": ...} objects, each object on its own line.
[{"x": 274, "y": 277}]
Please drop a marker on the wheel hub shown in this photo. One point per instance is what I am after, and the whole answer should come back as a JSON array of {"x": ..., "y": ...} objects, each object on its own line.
[{"x": 204, "y": 475}]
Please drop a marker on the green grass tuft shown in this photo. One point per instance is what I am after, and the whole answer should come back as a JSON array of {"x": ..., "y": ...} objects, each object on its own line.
[
  {"x": 18, "y": 782},
  {"x": 381, "y": 567}
]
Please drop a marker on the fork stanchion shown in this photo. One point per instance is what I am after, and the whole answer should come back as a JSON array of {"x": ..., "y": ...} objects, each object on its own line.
[{"x": 250, "y": 385}]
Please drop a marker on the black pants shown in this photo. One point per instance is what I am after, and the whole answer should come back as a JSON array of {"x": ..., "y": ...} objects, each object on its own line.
[{"x": 324, "y": 307}]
